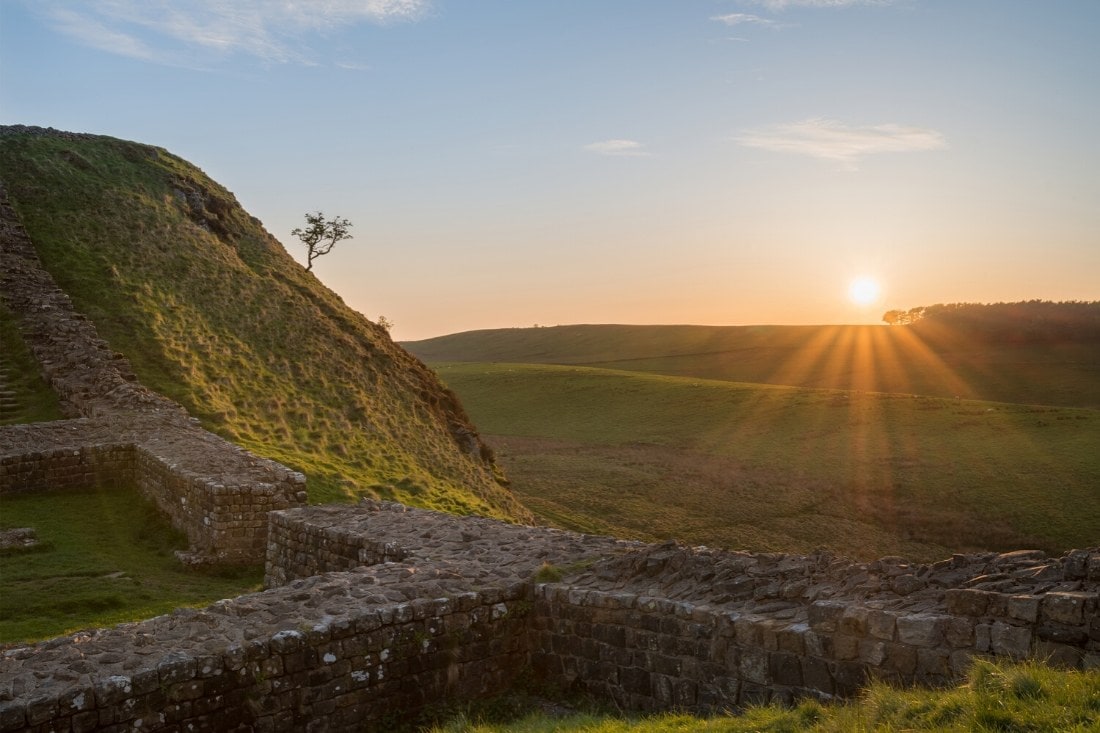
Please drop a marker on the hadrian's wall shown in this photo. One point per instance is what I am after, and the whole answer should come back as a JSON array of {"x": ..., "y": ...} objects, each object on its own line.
[
  {"x": 121, "y": 432},
  {"x": 459, "y": 608}
]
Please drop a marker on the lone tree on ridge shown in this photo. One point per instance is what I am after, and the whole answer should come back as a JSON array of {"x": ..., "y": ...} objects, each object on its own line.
[{"x": 322, "y": 235}]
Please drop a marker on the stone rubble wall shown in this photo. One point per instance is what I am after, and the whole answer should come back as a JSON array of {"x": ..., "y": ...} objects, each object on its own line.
[
  {"x": 212, "y": 490},
  {"x": 68, "y": 465},
  {"x": 457, "y": 608},
  {"x": 347, "y": 652}
]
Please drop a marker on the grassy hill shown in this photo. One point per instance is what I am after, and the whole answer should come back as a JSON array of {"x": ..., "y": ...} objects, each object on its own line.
[
  {"x": 786, "y": 469},
  {"x": 215, "y": 314},
  {"x": 927, "y": 361}
]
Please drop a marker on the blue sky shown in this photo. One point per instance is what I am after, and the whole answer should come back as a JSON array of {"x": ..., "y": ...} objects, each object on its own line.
[{"x": 684, "y": 161}]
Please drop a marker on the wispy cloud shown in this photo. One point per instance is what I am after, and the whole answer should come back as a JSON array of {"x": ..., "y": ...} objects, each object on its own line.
[
  {"x": 631, "y": 148},
  {"x": 782, "y": 4},
  {"x": 172, "y": 31},
  {"x": 732, "y": 19},
  {"x": 93, "y": 33},
  {"x": 846, "y": 144}
]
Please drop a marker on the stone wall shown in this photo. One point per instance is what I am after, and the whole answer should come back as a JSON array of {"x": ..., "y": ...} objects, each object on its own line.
[
  {"x": 458, "y": 608},
  {"x": 214, "y": 491},
  {"x": 354, "y": 652},
  {"x": 72, "y": 466}
]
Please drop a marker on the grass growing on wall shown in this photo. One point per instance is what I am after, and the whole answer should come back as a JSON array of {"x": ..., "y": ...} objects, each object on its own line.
[
  {"x": 995, "y": 697},
  {"x": 24, "y": 395},
  {"x": 105, "y": 556},
  {"x": 786, "y": 469}
]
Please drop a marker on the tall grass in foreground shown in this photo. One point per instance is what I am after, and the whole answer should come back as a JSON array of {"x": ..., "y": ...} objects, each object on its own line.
[{"x": 996, "y": 697}]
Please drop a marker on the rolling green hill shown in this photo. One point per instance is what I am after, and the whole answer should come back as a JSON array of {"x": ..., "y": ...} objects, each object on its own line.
[
  {"x": 213, "y": 313},
  {"x": 929, "y": 361},
  {"x": 786, "y": 469}
]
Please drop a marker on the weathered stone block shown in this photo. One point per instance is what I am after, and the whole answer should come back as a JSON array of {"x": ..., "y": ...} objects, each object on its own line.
[
  {"x": 1059, "y": 655},
  {"x": 13, "y": 714},
  {"x": 816, "y": 675},
  {"x": 845, "y": 646},
  {"x": 785, "y": 669},
  {"x": 753, "y": 665},
  {"x": 792, "y": 638},
  {"x": 1011, "y": 641},
  {"x": 900, "y": 658},
  {"x": 933, "y": 662},
  {"x": 982, "y": 637},
  {"x": 1067, "y": 608},
  {"x": 848, "y": 677},
  {"x": 881, "y": 625},
  {"x": 854, "y": 620},
  {"x": 41, "y": 709},
  {"x": 1062, "y": 634},
  {"x": 1023, "y": 608},
  {"x": 959, "y": 631},
  {"x": 113, "y": 690},
  {"x": 966, "y": 601},
  {"x": 921, "y": 629},
  {"x": 872, "y": 652}
]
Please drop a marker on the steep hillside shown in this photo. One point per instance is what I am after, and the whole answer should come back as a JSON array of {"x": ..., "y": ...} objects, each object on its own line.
[
  {"x": 935, "y": 359},
  {"x": 213, "y": 312}
]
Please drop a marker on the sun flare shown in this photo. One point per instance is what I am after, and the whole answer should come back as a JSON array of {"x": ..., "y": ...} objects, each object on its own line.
[{"x": 864, "y": 291}]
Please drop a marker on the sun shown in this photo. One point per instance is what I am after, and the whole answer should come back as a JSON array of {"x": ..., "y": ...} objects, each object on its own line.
[{"x": 864, "y": 291}]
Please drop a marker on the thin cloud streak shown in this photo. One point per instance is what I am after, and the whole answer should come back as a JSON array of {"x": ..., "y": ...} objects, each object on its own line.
[
  {"x": 732, "y": 19},
  {"x": 846, "y": 144},
  {"x": 169, "y": 32},
  {"x": 626, "y": 148},
  {"x": 783, "y": 4},
  {"x": 96, "y": 35}
]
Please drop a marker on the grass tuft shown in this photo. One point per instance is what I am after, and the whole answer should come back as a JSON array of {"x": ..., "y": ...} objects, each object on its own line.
[{"x": 988, "y": 701}]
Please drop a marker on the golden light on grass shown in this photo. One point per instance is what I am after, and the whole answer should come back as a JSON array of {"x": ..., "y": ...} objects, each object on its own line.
[{"x": 864, "y": 291}]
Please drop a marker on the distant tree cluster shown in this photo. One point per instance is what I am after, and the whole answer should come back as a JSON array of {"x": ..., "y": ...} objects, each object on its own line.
[{"x": 1024, "y": 321}]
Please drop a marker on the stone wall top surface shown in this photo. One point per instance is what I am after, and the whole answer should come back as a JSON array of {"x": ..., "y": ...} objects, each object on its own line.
[{"x": 721, "y": 577}]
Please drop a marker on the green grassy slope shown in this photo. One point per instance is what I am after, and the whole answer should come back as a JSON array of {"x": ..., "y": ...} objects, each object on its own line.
[
  {"x": 781, "y": 468},
  {"x": 872, "y": 358},
  {"x": 216, "y": 315}
]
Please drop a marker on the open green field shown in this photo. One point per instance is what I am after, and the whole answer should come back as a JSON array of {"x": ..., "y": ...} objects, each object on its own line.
[
  {"x": 929, "y": 361},
  {"x": 105, "y": 556},
  {"x": 786, "y": 469},
  {"x": 995, "y": 697}
]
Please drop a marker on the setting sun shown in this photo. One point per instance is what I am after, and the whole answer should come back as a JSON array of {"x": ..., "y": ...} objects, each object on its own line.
[{"x": 864, "y": 291}]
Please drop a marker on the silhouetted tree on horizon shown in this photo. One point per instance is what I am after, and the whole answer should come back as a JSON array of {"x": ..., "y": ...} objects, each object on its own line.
[
  {"x": 321, "y": 235},
  {"x": 1028, "y": 321}
]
